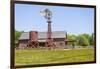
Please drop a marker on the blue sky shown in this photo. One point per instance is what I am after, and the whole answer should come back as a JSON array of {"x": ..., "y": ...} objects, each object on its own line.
[{"x": 73, "y": 20}]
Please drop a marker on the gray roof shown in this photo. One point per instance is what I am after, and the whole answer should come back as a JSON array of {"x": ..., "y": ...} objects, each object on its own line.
[
  {"x": 24, "y": 35},
  {"x": 42, "y": 35}
]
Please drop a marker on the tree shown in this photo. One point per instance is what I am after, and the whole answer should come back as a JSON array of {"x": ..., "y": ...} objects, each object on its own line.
[
  {"x": 17, "y": 35},
  {"x": 71, "y": 37},
  {"x": 82, "y": 40},
  {"x": 87, "y": 36},
  {"x": 92, "y": 39}
]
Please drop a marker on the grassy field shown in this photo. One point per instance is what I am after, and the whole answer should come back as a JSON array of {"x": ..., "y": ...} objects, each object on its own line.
[{"x": 31, "y": 57}]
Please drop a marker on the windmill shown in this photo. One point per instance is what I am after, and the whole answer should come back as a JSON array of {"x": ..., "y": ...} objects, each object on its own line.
[{"x": 49, "y": 40}]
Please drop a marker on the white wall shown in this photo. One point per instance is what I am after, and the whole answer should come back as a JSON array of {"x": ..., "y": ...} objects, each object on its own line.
[{"x": 5, "y": 34}]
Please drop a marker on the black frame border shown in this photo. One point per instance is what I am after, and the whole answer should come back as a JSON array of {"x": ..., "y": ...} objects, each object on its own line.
[{"x": 12, "y": 34}]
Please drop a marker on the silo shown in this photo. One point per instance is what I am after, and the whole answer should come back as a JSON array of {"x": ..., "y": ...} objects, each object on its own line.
[{"x": 33, "y": 36}]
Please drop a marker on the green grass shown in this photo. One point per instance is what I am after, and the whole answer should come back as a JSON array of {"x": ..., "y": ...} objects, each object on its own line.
[{"x": 32, "y": 56}]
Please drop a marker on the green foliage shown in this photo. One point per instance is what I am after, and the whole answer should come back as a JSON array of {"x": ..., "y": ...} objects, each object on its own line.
[
  {"x": 92, "y": 39},
  {"x": 81, "y": 39},
  {"x": 71, "y": 38},
  {"x": 31, "y": 56},
  {"x": 17, "y": 35}
]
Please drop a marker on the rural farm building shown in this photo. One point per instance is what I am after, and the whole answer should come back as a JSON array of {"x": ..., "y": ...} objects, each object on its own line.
[{"x": 59, "y": 38}]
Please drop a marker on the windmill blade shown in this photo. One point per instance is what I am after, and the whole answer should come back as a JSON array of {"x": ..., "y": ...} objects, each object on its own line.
[{"x": 42, "y": 13}]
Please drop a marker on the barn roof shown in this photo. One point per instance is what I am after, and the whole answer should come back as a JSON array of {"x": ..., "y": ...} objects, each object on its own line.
[
  {"x": 42, "y": 35},
  {"x": 24, "y": 35}
]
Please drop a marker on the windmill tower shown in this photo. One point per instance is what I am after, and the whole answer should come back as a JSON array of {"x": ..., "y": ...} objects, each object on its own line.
[{"x": 49, "y": 40}]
